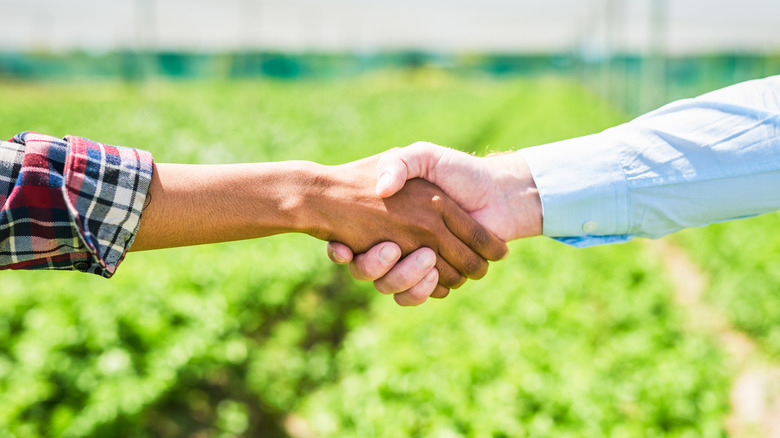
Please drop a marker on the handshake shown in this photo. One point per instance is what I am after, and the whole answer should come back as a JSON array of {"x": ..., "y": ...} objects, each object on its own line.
[{"x": 448, "y": 213}]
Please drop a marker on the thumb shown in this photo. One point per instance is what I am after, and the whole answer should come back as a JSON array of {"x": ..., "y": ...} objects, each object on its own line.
[
  {"x": 399, "y": 165},
  {"x": 339, "y": 253},
  {"x": 392, "y": 173}
]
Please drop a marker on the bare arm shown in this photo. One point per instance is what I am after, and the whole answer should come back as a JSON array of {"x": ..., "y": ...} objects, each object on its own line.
[{"x": 196, "y": 204}]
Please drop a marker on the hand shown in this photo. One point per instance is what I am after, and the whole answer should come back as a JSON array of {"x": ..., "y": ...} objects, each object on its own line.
[
  {"x": 498, "y": 191},
  {"x": 347, "y": 210},
  {"x": 409, "y": 280}
]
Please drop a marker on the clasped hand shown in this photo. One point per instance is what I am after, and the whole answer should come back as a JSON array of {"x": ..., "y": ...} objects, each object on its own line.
[
  {"x": 350, "y": 212},
  {"x": 498, "y": 192}
]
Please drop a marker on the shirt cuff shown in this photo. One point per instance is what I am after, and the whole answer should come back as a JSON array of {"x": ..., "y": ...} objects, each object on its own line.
[
  {"x": 75, "y": 204},
  {"x": 105, "y": 188},
  {"x": 583, "y": 189}
]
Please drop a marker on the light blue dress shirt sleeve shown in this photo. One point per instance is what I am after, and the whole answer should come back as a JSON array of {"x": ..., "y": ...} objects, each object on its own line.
[{"x": 690, "y": 163}]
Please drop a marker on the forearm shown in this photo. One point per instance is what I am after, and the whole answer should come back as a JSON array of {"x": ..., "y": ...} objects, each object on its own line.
[{"x": 197, "y": 204}]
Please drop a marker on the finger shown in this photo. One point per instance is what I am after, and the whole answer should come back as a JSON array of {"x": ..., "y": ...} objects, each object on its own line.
[
  {"x": 339, "y": 253},
  {"x": 408, "y": 272},
  {"x": 376, "y": 262},
  {"x": 413, "y": 161},
  {"x": 449, "y": 277},
  {"x": 420, "y": 292},
  {"x": 470, "y": 232},
  {"x": 463, "y": 259},
  {"x": 452, "y": 248},
  {"x": 440, "y": 292}
]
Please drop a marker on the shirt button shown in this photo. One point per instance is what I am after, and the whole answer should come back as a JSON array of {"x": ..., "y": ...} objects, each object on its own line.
[
  {"x": 589, "y": 226},
  {"x": 81, "y": 266}
]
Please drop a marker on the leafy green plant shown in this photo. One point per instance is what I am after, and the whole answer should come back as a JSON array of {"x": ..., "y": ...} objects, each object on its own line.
[
  {"x": 740, "y": 260},
  {"x": 554, "y": 342}
]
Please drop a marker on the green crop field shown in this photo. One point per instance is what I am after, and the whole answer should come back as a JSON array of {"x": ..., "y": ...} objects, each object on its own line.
[
  {"x": 267, "y": 338},
  {"x": 742, "y": 261}
]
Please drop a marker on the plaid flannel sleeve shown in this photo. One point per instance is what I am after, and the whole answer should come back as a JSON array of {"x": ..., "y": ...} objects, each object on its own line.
[{"x": 69, "y": 204}]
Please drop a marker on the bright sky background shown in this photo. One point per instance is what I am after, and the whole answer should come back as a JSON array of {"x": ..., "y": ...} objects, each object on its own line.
[{"x": 370, "y": 25}]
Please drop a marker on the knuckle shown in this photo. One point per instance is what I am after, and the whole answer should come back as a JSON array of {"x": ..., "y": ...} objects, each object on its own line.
[
  {"x": 440, "y": 292},
  {"x": 382, "y": 287},
  {"x": 452, "y": 280},
  {"x": 496, "y": 248},
  {"x": 395, "y": 283},
  {"x": 479, "y": 237},
  {"x": 500, "y": 252},
  {"x": 398, "y": 279},
  {"x": 406, "y": 300},
  {"x": 405, "y": 280},
  {"x": 481, "y": 273},
  {"x": 421, "y": 291},
  {"x": 475, "y": 267},
  {"x": 360, "y": 268},
  {"x": 421, "y": 145},
  {"x": 419, "y": 294},
  {"x": 459, "y": 283},
  {"x": 437, "y": 204}
]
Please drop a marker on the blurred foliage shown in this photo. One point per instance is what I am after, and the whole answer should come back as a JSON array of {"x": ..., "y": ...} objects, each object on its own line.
[
  {"x": 741, "y": 261},
  {"x": 181, "y": 340},
  {"x": 267, "y": 338},
  {"x": 554, "y": 342}
]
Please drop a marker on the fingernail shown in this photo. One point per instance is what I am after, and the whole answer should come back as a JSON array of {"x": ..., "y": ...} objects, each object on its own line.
[
  {"x": 431, "y": 277},
  {"x": 387, "y": 255},
  {"x": 336, "y": 257},
  {"x": 383, "y": 183},
  {"x": 425, "y": 260}
]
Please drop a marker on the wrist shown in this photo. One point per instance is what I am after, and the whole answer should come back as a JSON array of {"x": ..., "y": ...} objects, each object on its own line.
[
  {"x": 530, "y": 213},
  {"x": 302, "y": 201},
  {"x": 334, "y": 198},
  {"x": 319, "y": 193},
  {"x": 519, "y": 195}
]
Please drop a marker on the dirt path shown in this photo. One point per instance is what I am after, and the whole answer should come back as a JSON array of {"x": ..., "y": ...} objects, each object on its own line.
[{"x": 755, "y": 394}]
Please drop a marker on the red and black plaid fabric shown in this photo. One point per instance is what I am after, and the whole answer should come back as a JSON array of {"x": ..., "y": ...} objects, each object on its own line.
[{"x": 69, "y": 204}]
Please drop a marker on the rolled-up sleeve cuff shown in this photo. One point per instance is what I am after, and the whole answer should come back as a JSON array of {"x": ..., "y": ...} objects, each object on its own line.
[
  {"x": 583, "y": 189},
  {"x": 105, "y": 188}
]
